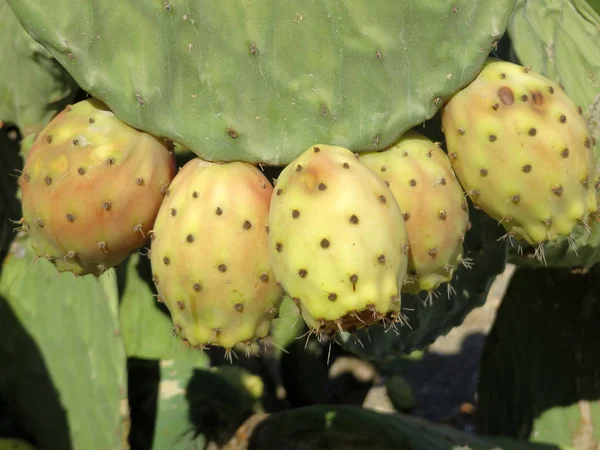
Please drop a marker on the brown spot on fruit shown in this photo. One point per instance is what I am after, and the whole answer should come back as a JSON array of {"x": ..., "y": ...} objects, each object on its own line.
[
  {"x": 492, "y": 137},
  {"x": 81, "y": 171},
  {"x": 264, "y": 277},
  {"x": 332, "y": 297},
  {"x": 218, "y": 211},
  {"x": 538, "y": 99},
  {"x": 325, "y": 243},
  {"x": 322, "y": 186},
  {"x": 565, "y": 153},
  {"x": 353, "y": 219},
  {"x": 506, "y": 95},
  {"x": 48, "y": 179},
  {"x": 562, "y": 118},
  {"x": 70, "y": 217},
  {"x": 222, "y": 268},
  {"x": 197, "y": 287},
  {"x": 239, "y": 307},
  {"x": 180, "y": 305},
  {"x": 295, "y": 213},
  {"x": 381, "y": 259},
  {"x": 527, "y": 168},
  {"x": 532, "y": 132},
  {"x": 166, "y": 261},
  {"x": 279, "y": 247},
  {"x": 247, "y": 225},
  {"x": 302, "y": 273},
  {"x": 189, "y": 238}
]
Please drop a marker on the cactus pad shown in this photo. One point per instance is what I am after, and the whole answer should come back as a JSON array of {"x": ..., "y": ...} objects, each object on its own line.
[{"x": 261, "y": 81}]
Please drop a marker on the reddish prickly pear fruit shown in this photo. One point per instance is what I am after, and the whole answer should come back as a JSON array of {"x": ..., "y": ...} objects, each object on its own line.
[
  {"x": 337, "y": 241},
  {"x": 435, "y": 212},
  {"x": 91, "y": 188},
  {"x": 209, "y": 255},
  {"x": 522, "y": 151}
]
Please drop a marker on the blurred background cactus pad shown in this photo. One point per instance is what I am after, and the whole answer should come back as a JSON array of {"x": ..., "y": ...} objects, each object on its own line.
[{"x": 299, "y": 225}]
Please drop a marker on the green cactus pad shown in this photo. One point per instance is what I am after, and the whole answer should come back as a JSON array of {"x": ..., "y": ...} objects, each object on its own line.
[
  {"x": 33, "y": 85},
  {"x": 63, "y": 362},
  {"x": 261, "y": 81},
  {"x": 324, "y": 427},
  {"x": 540, "y": 362}
]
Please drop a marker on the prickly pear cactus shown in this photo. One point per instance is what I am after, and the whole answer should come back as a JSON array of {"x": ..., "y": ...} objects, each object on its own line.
[
  {"x": 433, "y": 206},
  {"x": 209, "y": 255},
  {"x": 337, "y": 241},
  {"x": 91, "y": 188},
  {"x": 241, "y": 76},
  {"x": 33, "y": 85},
  {"x": 523, "y": 153},
  {"x": 559, "y": 39}
]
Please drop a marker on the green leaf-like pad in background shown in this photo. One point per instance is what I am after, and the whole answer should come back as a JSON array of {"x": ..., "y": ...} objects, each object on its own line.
[
  {"x": 33, "y": 85},
  {"x": 63, "y": 360}
]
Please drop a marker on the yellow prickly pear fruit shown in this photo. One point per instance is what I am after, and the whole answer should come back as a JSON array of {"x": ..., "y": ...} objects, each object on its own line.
[
  {"x": 337, "y": 241},
  {"x": 91, "y": 188},
  {"x": 522, "y": 151},
  {"x": 209, "y": 255},
  {"x": 433, "y": 205}
]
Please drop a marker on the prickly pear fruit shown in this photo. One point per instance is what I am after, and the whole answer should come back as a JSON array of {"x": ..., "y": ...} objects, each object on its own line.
[
  {"x": 91, "y": 188},
  {"x": 522, "y": 151},
  {"x": 209, "y": 255},
  {"x": 337, "y": 241},
  {"x": 436, "y": 214}
]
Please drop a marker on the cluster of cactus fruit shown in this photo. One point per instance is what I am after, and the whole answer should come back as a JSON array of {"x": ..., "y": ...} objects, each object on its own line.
[{"x": 343, "y": 234}]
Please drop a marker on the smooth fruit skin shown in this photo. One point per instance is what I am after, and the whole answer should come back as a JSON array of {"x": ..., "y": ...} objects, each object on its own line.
[
  {"x": 432, "y": 201},
  {"x": 209, "y": 254},
  {"x": 522, "y": 151},
  {"x": 91, "y": 188},
  {"x": 337, "y": 240}
]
